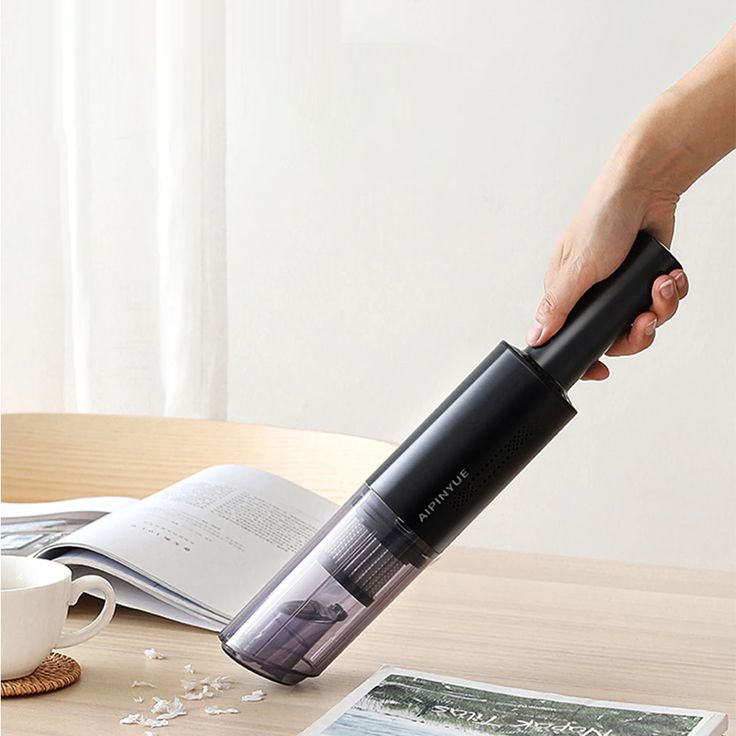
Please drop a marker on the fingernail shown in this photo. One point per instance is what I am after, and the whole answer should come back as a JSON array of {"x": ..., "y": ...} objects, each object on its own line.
[
  {"x": 650, "y": 327},
  {"x": 667, "y": 290},
  {"x": 533, "y": 333},
  {"x": 681, "y": 281}
]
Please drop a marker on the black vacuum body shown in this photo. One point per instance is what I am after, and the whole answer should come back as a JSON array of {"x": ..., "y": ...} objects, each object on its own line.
[{"x": 434, "y": 484}]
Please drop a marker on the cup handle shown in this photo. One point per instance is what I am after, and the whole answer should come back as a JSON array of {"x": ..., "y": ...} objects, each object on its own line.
[{"x": 83, "y": 585}]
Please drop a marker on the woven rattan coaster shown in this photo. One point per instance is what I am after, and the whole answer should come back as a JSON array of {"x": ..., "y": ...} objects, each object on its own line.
[{"x": 55, "y": 672}]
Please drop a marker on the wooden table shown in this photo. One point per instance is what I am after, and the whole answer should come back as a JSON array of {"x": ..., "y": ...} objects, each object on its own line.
[{"x": 599, "y": 629}]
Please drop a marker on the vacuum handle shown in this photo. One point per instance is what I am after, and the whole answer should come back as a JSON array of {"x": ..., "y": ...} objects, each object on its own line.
[{"x": 604, "y": 312}]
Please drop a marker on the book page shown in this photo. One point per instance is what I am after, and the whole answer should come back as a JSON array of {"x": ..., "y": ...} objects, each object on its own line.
[
  {"x": 138, "y": 594},
  {"x": 396, "y": 702},
  {"x": 150, "y": 596},
  {"x": 215, "y": 538}
]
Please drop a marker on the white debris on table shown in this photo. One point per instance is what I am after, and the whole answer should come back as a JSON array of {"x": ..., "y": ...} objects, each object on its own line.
[
  {"x": 221, "y": 682},
  {"x": 138, "y": 719},
  {"x": 168, "y": 709},
  {"x": 153, "y": 654},
  {"x": 212, "y": 710},
  {"x": 253, "y": 697},
  {"x": 205, "y": 687},
  {"x": 194, "y": 691},
  {"x": 163, "y": 710}
]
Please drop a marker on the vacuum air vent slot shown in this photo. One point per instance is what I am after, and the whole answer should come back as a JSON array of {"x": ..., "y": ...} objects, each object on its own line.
[{"x": 493, "y": 465}]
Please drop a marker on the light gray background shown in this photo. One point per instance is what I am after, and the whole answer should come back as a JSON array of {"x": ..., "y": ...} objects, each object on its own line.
[{"x": 397, "y": 174}]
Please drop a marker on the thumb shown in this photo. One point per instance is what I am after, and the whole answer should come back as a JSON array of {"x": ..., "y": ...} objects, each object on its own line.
[{"x": 563, "y": 288}]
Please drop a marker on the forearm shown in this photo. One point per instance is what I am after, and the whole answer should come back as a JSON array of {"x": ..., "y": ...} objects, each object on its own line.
[{"x": 685, "y": 131}]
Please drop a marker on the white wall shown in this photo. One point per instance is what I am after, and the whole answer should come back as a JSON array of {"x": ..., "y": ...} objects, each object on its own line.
[{"x": 396, "y": 175}]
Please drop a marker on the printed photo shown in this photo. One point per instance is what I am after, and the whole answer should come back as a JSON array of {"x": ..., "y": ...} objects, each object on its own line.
[{"x": 405, "y": 705}]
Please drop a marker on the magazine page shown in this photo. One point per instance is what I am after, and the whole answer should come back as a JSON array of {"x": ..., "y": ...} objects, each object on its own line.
[
  {"x": 214, "y": 538},
  {"x": 29, "y": 527},
  {"x": 397, "y": 702},
  {"x": 134, "y": 590},
  {"x": 139, "y": 593}
]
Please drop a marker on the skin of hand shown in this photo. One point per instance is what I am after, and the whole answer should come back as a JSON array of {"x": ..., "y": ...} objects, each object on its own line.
[{"x": 681, "y": 135}]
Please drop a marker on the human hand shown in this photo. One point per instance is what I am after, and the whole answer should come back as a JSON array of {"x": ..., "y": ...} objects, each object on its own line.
[
  {"x": 595, "y": 244},
  {"x": 685, "y": 131}
]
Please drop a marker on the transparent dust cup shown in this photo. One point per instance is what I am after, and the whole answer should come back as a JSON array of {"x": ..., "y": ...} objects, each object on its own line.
[{"x": 321, "y": 600}]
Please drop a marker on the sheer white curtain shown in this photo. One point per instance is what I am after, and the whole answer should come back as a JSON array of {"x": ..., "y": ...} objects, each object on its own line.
[{"x": 114, "y": 144}]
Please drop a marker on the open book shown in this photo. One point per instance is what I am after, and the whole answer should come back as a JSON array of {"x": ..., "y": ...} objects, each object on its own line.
[
  {"x": 197, "y": 551},
  {"x": 396, "y": 702}
]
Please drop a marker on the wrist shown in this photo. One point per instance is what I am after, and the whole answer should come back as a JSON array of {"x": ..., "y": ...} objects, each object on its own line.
[{"x": 655, "y": 156}]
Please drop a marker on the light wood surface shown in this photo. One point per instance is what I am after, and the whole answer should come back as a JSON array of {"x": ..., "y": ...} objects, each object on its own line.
[{"x": 587, "y": 628}]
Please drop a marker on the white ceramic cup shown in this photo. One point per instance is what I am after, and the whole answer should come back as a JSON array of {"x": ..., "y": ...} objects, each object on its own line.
[{"x": 36, "y": 595}]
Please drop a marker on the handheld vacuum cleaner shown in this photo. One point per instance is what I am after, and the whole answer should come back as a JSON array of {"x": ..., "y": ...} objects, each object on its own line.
[{"x": 434, "y": 484}]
